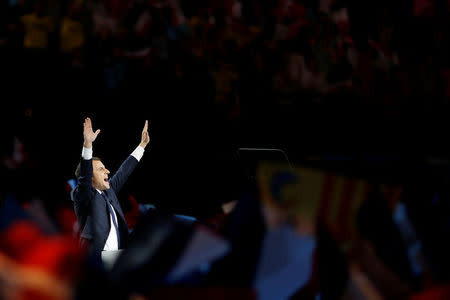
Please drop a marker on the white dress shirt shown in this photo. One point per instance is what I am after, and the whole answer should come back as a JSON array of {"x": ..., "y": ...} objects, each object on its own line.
[{"x": 111, "y": 242}]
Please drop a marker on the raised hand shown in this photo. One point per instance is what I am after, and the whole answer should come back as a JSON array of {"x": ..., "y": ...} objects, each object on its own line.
[
  {"x": 88, "y": 134},
  {"x": 145, "y": 137}
]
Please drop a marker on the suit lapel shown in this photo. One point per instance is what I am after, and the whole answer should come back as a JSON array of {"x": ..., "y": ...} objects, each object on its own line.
[{"x": 115, "y": 204}]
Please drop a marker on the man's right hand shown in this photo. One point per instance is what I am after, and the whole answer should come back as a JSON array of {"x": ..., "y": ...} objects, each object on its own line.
[{"x": 88, "y": 133}]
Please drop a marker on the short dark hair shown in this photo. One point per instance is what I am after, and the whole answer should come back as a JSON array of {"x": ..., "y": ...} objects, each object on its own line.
[{"x": 77, "y": 171}]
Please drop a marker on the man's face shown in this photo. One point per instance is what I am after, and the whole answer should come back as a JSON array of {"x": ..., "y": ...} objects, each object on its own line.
[{"x": 100, "y": 178}]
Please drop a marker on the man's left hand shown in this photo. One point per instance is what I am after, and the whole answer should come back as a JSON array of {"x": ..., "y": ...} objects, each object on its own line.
[{"x": 145, "y": 138}]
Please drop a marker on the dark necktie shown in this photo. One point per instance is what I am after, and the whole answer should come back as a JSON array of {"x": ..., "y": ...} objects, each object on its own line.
[{"x": 110, "y": 208}]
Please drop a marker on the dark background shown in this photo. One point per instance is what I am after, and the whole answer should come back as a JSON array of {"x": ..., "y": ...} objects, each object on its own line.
[{"x": 385, "y": 126}]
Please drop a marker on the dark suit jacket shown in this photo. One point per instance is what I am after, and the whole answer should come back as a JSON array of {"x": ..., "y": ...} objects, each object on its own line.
[{"x": 91, "y": 208}]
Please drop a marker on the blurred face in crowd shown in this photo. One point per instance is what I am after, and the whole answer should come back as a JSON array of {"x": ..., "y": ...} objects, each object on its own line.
[
  {"x": 100, "y": 176},
  {"x": 38, "y": 8},
  {"x": 74, "y": 11}
]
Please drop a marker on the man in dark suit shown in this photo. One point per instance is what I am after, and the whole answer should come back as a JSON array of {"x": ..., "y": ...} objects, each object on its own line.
[{"x": 100, "y": 217}]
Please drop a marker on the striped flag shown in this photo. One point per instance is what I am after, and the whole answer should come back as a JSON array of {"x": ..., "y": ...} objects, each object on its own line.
[
  {"x": 309, "y": 194},
  {"x": 339, "y": 205}
]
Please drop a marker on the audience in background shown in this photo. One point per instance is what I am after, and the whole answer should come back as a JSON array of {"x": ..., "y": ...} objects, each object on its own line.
[{"x": 308, "y": 75}]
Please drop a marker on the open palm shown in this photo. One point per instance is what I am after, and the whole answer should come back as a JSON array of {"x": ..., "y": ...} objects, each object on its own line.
[
  {"x": 88, "y": 133},
  {"x": 145, "y": 137}
]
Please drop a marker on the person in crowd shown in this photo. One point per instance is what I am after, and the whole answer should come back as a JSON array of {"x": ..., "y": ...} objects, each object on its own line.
[
  {"x": 102, "y": 223},
  {"x": 37, "y": 26}
]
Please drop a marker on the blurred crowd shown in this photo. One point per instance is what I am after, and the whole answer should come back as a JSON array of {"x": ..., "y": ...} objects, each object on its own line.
[
  {"x": 305, "y": 75},
  {"x": 304, "y": 66},
  {"x": 309, "y": 231}
]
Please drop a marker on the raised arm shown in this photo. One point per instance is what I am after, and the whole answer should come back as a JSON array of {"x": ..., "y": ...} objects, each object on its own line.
[
  {"x": 130, "y": 163},
  {"x": 83, "y": 192}
]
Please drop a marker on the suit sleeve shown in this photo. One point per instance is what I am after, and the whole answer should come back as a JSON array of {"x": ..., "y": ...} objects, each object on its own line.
[
  {"x": 84, "y": 191},
  {"x": 121, "y": 176}
]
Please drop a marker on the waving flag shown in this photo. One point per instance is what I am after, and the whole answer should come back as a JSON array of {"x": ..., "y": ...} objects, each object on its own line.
[{"x": 333, "y": 198}]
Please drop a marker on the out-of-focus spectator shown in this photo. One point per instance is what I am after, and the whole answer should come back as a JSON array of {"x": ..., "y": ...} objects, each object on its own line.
[
  {"x": 37, "y": 27},
  {"x": 72, "y": 31}
]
